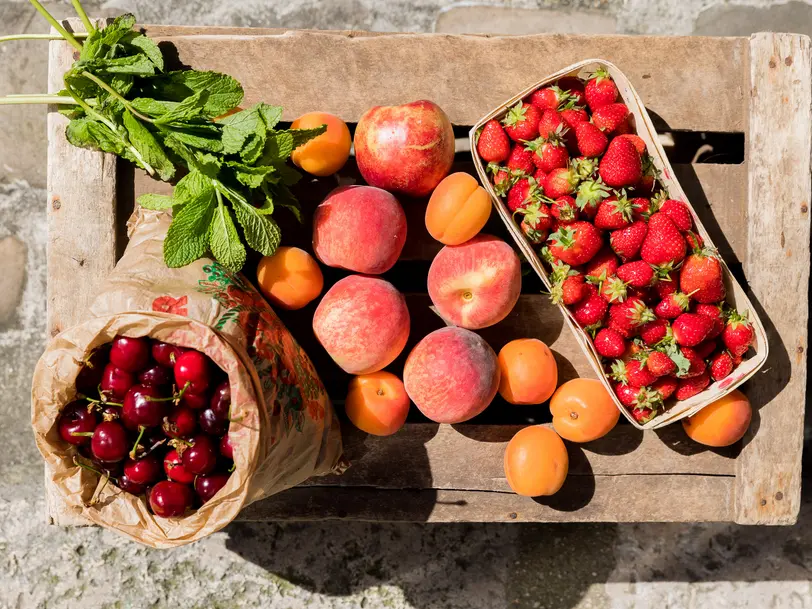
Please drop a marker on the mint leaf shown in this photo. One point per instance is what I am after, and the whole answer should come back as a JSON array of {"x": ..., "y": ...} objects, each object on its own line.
[
  {"x": 193, "y": 185},
  {"x": 187, "y": 236},
  {"x": 244, "y": 133},
  {"x": 224, "y": 241},
  {"x": 302, "y": 136},
  {"x": 278, "y": 147},
  {"x": 102, "y": 43},
  {"x": 143, "y": 141},
  {"x": 156, "y": 202},
  {"x": 153, "y": 107},
  {"x": 201, "y": 142},
  {"x": 89, "y": 133},
  {"x": 148, "y": 47},
  {"x": 261, "y": 232},
  {"x": 224, "y": 91},
  {"x": 293, "y": 208},
  {"x": 288, "y": 175},
  {"x": 139, "y": 65},
  {"x": 251, "y": 176},
  {"x": 270, "y": 114},
  {"x": 189, "y": 109}
]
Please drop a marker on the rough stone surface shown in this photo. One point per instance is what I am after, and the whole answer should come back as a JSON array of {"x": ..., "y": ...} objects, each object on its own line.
[
  {"x": 343, "y": 565},
  {"x": 12, "y": 277}
]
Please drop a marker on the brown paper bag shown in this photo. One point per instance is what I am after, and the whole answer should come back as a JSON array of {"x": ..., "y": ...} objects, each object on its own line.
[{"x": 284, "y": 429}]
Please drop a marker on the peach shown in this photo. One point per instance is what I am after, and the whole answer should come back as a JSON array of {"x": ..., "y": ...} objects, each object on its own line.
[
  {"x": 406, "y": 149},
  {"x": 363, "y": 323},
  {"x": 359, "y": 228},
  {"x": 377, "y": 403},
  {"x": 476, "y": 284},
  {"x": 451, "y": 375}
]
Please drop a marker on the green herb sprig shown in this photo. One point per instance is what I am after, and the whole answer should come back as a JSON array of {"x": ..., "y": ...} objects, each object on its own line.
[{"x": 120, "y": 100}]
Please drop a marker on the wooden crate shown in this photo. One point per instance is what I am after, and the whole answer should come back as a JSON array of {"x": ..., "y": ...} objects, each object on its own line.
[{"x": 757, "y": 211}]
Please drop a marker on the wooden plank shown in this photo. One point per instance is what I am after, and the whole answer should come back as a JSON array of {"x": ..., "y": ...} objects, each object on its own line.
[
  {"x": 676, "y": 498},
  {"x": 353, "y": 72},
  {"x": 768, "y": 472},
  {"x": 440, "y": 456}
]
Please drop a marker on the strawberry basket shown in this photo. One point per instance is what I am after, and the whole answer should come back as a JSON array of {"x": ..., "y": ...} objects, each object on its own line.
[{"x": 735, "y": 298}]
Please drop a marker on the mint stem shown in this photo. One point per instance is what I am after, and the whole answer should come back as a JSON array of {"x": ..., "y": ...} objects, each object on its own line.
[
  {"x": 38, "y": 37},
  {"x": 77, "y": 6},
  {"x": 58, "y": 100},
  {"x": 117, "y": 95},
  {"x": 56, "y": 25}
]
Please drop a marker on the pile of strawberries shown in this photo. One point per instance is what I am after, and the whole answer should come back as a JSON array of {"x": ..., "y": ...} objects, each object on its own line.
[{"x": 623, "y": 256}]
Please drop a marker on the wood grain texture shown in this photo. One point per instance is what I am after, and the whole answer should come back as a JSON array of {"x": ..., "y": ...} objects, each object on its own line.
[
  {"x": 676, "y": 498},
  {"x": 352, "y": 72},
  {"x": 768, "y": 483}
]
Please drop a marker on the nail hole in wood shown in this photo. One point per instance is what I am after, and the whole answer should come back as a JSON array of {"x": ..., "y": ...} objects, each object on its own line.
[
  {"x": 56, "y": 203},
  {"x": 82, "y": 262},
  {"x": 772, "y": 63},
  {"x": 646, "y": 76},
  {"x": 763, "y": 502},
  {"x": 779, "y": 496},
  {"x": 54, "y": 331},
  {"x": 782, "y": 239},
  {"x": 800, "y": 349},
  {"x": 804, "y": 208},
  {"x": 513, "y": 515},
  {"x": 788, "y": 61}
]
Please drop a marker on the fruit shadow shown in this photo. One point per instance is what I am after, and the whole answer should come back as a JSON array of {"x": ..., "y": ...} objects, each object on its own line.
[{"x": 579, "y": 486}]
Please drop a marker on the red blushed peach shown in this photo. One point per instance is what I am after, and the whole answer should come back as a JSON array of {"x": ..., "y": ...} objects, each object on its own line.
[
  {"x": 476, "y": 284},
  {"x": 363, "y": 323},
  {"x": 406, "y": 149},
  {"x": 451, "y": 375},
  {"x": 359, "y": 228}
]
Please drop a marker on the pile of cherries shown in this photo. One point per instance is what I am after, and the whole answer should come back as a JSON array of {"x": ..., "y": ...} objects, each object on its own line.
[{"x": 153, "y": 417}]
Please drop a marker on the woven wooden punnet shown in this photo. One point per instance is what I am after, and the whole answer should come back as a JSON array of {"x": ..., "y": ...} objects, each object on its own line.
[{"x": 736, "y": 296}]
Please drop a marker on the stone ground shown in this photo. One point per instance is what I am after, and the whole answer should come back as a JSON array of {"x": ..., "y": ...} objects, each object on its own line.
[{"x": 343, "y": 564}]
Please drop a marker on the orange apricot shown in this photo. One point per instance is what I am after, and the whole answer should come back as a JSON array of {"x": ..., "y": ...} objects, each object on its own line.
[
  {"x": 529, "y": 371},
  {"x": 583, "y": 410},
  {"x": 536, "y": 462},
  {"x": 377, "y": 403},
  {"x": 290, "y": 278},
  {"x": 458, "y": 209},
  {"x": 722, "y": 422},
  {"x": 326, "y": 153}
]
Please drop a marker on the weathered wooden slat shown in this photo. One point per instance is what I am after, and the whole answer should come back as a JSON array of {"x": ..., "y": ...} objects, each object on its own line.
[
  {"x": 440, "y": 456},
  {"x": 353, "y": 72},
  {"x": 675, "y": 498},
  {"x": 768, "y": 483}
]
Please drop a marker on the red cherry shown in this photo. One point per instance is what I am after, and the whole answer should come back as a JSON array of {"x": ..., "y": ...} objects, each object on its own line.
[
  {"x": 90, "y": 376},
  {"x": 73, "y": 419},
  {"x": 211, "y": 423},
  {"x": 221, "y": 400},
  {"x": 206, "y": 487},
  {"x": 226, "y": 448},
  {"x": 170, "y": 499},
  {"x": 109, "y": 442},
  {"x": 126, "y": 484},
  {"x": 195, "y": 368},
  {"x": 166, "y": 354},
  {"x": 195, "y": 401},
  {"x": 143, "y": 471},
  {"x": 130, "y": 354},
  {"x": 173, "y": 466},
  {"x": 180, "y": 422},
  {"x": 201, "y": 457},
  {"x": 157, "y": 376},
  {"x": 116, "y": 382},
  {"x": 142, "y": 408}
]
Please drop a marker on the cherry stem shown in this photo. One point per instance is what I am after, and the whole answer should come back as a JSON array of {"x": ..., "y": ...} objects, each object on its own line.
[
  {"x": 232, "y": 468},
  {"x": 84, "y": 434},
  {"x": 134, "y": 450},
  {"x": 94, "y": 401},
  {"x": 89, "y": 468}
]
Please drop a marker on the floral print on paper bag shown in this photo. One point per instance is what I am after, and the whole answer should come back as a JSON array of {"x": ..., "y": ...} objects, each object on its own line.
[{"x": 167, "y": 304}]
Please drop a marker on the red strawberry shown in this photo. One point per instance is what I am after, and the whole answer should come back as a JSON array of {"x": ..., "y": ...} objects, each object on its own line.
[
  {"x": 676, "y": 210},
  {"x": 614, "y": 212},
  {"x": 738, "y": 334},
  {"x": 633, "y": 372},
  {"x": 637, "y": 274},
  {"x": 714, "y": 313},
  {"x": 603, "y": 265},
  {"x": 551, "y": 122},
  {"x": 609, "y": 117},
  {"x": 525, "y": 192},
  {"x": 663, "y": 243},
  {"x": 536, "y": 221},
  {"x": 549, "y": 97},
  {"x": 574, "y": 87},
  {"x": 586, "y": 168},
  {"x": 701, "y": 277},
  {"x": 609, "y": 343},
  {"x": 641, "y": 208},
  {"x": 574, "y": 116},
  {"x": 576, "y": 243},
  {"x": 600, "y": 90},
  {"x": 590, "y": 194},
  {"x": 549, "y": 153},
  {"x": 659, "y": 364},
  {"x": 695, "y": 364},
  {"x": 493, "y": 144},
  {"x": 626, "y": 318},
  {"x": 502, "y": 180},
  {"x": 689, "y": 387},
  {"x": 560, "y": 181},
  {"x": 634, "y": 139},
  {"x": 521, "y": 159},
  {"x": 673, "y": 305},
  {"x": 643, "y": 415},
  {"x": 591, "y": 310},
  {"x": 648, "y": 182},
  {"x": 564, "y": 210},
  {"x": 591, "y": 140},
  {"x": 721, "y": 365},
  {"x": 667, "y": 283},
  {"x": 694, "y": 241},
  {"x": 704, "y": 349},
  {"x": 627, "y": 241},
  {"x": 613, "y": 290},
  {"x": 540, "y": 177},
  {"x": 522, "y": 122},
  {"x": 654, "y": 331},
  {"x": 647, "y": 295},
  {"x": 573, "y": 290},
  {"x": 665, "y": 386},
  {"x": 624, "y": 128},
  {"x": 621, "y": 165},
  {"x": 691, "y": 329},
  {"x": 627, "y": 394}
]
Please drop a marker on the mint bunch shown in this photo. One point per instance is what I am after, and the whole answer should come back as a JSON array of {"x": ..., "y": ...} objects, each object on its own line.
[{"x": 120, "y": 100}]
